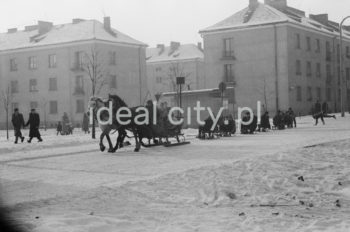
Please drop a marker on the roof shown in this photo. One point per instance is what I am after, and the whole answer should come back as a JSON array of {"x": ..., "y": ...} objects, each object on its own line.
[
  {"x": 265, "y": 14},
  {"x": 64, "y": 33},
  {"x": 183, "y": 52}
]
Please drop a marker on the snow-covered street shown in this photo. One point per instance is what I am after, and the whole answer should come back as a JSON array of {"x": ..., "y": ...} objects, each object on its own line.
[{"x": 242, "y": 183}]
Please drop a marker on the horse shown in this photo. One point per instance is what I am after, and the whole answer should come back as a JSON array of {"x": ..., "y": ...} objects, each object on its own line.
[{"x": 95, "y": 104}]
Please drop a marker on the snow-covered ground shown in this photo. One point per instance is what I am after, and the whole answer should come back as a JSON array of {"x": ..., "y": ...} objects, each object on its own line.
[{"x": 242, "y": 183}]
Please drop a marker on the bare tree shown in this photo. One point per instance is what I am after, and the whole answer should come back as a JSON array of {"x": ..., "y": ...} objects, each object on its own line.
[
  {"x": 265, "y": 92},
  {"x": 176, "y": 69},
  {"x": 7, "y": 97},
  {"x": 94, "y": 66}
]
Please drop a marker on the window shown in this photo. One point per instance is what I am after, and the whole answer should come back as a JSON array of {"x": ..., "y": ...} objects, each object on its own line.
[
  {"x": 348, "y": 74},
  {"x": 299, "y": 94},
  {"x": 158, "y": 69},
  {"x": 33, "y": 63},
  {"x": 318, "y": 70},
  {"x": 309, "y": 93},
  {"x": 53, "y": 107},
  {"x": 228, "y": 47},
  {"x": 79, "y": 60},
  {"x": 298, "y": 67},
  {"x": 229, "y": 77},
  {"x": 329, "y": 73},
  {"x": 319, "y": 94},
  {"x": 339, "y": 95},
  {"x": 33, "y": 85},
  {"x": 52, "y": 61},
  {"x": 318, "y": 46},
  {"x": 347, "y": 51},
  {"x": 80, "y": 106},
  {"x": 308, "y": 69},
  {"x": 79, "y": 85},
  {"x": 33, "y": 105},
  {"x": 329, "y": 94},
  {"x": 158, "y": 80},
  {"x": 53, "y": 84},
  {"x": 308, "y": 43},
  {"x": 13, "y": 65},
  {"x": 113, "y": 81},
  {"x": 328, "y": 51},
  {"x": 338, "y": 74},
  {"x": 297, "y": 41},
  {"x": 14, "y": 86},
  {"x": 112, "y": 58}
]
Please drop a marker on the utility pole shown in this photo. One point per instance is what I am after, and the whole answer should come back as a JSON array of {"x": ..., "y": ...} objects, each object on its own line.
[{"x": 343, "y": 86}]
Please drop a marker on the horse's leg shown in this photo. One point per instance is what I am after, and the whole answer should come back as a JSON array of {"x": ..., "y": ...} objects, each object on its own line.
[
  {"x": 102, "y": 146},
  {"x": 111, "y": 149},
  {"x": 137, "y": 142}
]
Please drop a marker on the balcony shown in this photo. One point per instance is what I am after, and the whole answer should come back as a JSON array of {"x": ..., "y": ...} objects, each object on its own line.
[
  {"x": 79, "y": 91},
  {"x": 77, "y": 67},
  {"x": 228, "y": 55}
]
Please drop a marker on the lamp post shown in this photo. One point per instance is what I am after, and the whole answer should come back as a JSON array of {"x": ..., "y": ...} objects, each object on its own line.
[
  {"x": 180, "y": 81},
  {"x": 343, "y": 86}
]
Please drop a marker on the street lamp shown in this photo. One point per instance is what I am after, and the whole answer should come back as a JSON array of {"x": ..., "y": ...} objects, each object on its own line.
[
  {"x": 180, "y": 81},
  {"x": 342, "y": 92}
]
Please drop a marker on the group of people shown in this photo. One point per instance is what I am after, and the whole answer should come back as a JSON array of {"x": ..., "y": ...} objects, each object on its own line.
[
  {"x": 64, "y": 127},
  {"x": 33, "y": 123}
]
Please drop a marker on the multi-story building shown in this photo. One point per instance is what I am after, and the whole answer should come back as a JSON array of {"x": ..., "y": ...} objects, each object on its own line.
[
  {"x": 47, "y": 67},
  {"x": 273, "y": 53},
  {"x": 165, "y": 63}
]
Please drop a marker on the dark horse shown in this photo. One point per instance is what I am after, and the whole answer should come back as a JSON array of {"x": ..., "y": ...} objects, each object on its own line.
[{"x": 97, "y": 103}]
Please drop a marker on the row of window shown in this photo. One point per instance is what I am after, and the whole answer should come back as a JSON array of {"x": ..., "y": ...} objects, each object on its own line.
[
  {"x": 79, "y": 84},
  {"x": 53, "y": 106},
  {"x": 310, "y": 96},
  {"x": 52, "y": 60},
  {"x": 309, "y": 70},
  {"x": 317, "y": 45}
]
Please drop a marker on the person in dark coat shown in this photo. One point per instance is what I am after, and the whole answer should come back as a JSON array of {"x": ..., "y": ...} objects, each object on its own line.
[
  {"x": 34, "y": 122},
  {"x": 265, "y": 122},
  {"x": 59, "y": 128},
  {"x": 18, "y": 123},
  {"x": 318, "y": 113},
  {"x": 292, "y": 117},
  {"x": 85, "y": 125}
]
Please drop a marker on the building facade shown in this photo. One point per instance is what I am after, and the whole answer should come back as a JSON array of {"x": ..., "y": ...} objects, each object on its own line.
[
  {"x": 165, "y": 63},
  {"x": 273, "y": 53},
  {"x": 47, "y": 67}
]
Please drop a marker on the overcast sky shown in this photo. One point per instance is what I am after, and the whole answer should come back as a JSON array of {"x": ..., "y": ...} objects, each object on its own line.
[{"x": 150, "y": 21}]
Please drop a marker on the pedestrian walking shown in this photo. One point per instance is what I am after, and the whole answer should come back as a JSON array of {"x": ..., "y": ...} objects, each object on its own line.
[
  {"x": 318, "y": 113},
  {"x": 59, "y": 128},
  {"x": 18, "y": 123},
  {"x": 34, "y": 122},
  {"x": 85, "y": 125}
]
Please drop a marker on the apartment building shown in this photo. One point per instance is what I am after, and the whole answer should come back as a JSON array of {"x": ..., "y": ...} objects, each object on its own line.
[
  {"x": 165, "y": 63},
  {"x": 47, "y": 67},
  {"x": 273, "y": 53}
]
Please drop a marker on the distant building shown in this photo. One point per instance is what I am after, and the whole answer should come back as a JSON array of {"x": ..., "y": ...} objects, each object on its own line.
[
  {"x": 275, "y": 54},
  {"x": 165, "y": 63},
  {"x": 45, "y": 67}
]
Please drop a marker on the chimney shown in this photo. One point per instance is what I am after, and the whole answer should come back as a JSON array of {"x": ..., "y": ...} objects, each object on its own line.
[
  {"x": 161, "y": 48},
  {"x": 107, "y": 23},
  {"x": 44, "y": 27},
  {"x": 77, "y": 20},
  {"x": 199, "y": 45},
  {"x": 278, "y": 4},
  {"x": 31, "y": 28},
  {"x": 253, "y": 4},
  {"x": 11, "y": 30},
  {"x": 321, "y": 18},
  {"x": 174, "y": 46}
]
